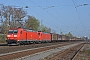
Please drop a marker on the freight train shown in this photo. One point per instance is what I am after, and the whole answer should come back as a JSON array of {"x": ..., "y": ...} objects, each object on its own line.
[{"x": 23, "y": 36}]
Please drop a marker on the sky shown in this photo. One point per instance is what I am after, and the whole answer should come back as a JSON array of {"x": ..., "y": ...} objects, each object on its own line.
[{"x": 60, "y": 15}]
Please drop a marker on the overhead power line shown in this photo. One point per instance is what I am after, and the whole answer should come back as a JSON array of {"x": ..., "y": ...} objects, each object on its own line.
[
  {"x": 46, "y": 11},
  {"x": 57, "y": 11},
  {"x": 79, "y": 14},
  {"x": 36, "y": 12}
]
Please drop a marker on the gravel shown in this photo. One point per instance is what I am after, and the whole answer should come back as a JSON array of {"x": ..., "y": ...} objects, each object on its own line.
[
  {"x": 84, "y": 54},
  {"x": 41, "y": 55}
]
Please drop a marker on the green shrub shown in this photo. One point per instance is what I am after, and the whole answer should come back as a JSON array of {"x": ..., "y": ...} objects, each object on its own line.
[{"x": 2, "y": 38}]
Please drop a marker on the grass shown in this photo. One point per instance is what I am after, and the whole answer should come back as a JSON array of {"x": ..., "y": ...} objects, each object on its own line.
[
  {"x": 87, "y": 51},
  {"x": 2, "y": 38}
]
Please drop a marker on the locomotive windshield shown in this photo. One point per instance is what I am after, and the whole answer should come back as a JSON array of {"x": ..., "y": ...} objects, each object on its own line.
[{"x": 12, "y": 31}]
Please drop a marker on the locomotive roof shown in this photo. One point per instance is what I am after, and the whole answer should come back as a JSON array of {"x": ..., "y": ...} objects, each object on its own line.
[{"x": 27, "y": 30}]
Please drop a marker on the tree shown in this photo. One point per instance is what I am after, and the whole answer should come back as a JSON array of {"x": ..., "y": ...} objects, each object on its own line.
[
  {"x": 9, "y": 15},
  {"x": 12, "y": 17},
  {"x": 17, "y": 15},
  {"x": 32, "y": 23},
  {"x": 45, "y": 29},
  {"x": 69, "y": 34},
  {"x": 61, "y": 33}
]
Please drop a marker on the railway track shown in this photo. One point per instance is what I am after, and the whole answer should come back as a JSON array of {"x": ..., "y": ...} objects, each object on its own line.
[
  {"x": 21, "y": 53},
  {"x": 6, "y": 49},
  {"x": 68, "y": 54}
]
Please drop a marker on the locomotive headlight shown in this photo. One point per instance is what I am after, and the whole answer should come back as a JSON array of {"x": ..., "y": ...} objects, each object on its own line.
[
  {"x": 8, "y": 35},
  {"x": 18, "y": 40},
  {"x": 15, "y": 35}
]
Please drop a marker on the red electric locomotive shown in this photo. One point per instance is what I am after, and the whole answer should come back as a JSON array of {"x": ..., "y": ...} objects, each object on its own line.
[{"x": 21, "y": 36}]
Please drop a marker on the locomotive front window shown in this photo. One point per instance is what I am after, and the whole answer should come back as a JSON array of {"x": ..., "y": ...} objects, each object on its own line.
[
  {"x": 12, "y": 31},
  {"x": 15, "y": 31}
]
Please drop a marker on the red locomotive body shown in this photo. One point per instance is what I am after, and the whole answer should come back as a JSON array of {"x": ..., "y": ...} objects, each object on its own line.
[{"x": 19, "y": 35}]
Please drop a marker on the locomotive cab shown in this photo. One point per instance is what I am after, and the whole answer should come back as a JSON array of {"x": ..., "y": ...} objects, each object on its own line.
[{"x": 12, "y": 36}]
